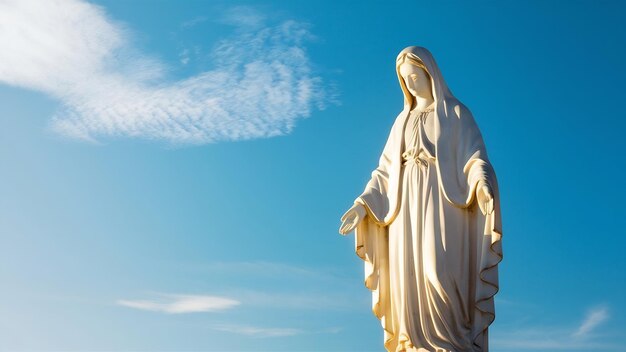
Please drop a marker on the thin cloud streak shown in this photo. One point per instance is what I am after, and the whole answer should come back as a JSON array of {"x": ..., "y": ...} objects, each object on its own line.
[
  {"x": 260, "y": 86},
  {"x": 177, "y": 304},
  {"x": 594, "y": 318}
]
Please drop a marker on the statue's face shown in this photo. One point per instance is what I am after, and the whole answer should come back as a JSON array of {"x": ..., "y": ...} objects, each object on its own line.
[{"x": 416, "y": 79}]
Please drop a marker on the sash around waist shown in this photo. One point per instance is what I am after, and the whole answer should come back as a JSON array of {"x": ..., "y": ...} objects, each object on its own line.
[{"x": 421, "y": 157}]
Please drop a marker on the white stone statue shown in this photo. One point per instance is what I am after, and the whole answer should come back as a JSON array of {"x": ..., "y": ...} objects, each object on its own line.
[{"x": 428, "y": 223}]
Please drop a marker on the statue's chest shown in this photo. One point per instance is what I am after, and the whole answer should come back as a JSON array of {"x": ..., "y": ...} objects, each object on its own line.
[{"x": 419, "y": 133}]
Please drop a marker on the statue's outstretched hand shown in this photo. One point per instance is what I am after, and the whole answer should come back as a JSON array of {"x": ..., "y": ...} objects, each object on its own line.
[
  {"x": 352, "y": 218},
  {"x": 484, "y": 197}
]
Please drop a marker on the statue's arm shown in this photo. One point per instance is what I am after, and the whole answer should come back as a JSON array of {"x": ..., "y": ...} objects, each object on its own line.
[
  {"x": 477, "y": 170},
  {"x": 375, "y": 195},
  {"x": 373, "y": 203}
]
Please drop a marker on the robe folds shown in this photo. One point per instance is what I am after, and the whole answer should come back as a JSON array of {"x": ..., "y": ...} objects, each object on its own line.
[{"x": 462, "y": 271}]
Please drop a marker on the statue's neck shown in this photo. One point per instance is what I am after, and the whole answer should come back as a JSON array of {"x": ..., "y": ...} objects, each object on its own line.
[{"x": 422, "y": 103}]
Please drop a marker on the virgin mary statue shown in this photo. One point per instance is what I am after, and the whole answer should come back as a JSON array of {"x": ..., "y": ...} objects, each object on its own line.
[{"x": 428, "y": 222}]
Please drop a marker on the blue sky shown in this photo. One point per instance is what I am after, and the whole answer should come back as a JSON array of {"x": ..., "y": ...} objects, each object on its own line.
[{"x": 158, "y": 193}]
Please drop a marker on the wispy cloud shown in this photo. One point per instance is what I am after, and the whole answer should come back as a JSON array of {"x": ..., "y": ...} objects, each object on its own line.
[
  {"x": 594, "y": 318},
  {"x": 581, "y": 337},
  {"x": 182, "y": 303},
  {"x": 261, "y": 83}
]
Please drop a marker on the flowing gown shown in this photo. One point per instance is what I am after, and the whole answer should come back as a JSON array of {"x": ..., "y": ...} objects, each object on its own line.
[
  {"x": 428, "y": 264},
  {"x": 430, "y": 255}
]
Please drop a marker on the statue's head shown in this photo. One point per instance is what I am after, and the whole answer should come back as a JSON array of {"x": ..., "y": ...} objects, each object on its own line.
[
  {"x": 419, "y": 74},
  {"x": 414, "y": 77}
]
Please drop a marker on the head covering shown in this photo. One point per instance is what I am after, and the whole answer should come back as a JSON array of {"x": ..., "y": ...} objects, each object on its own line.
[
  {"x": 459, "y": 141},
  {"x": 440, "y": 89}
]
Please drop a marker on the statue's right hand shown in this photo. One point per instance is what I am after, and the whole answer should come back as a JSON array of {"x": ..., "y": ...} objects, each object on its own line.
[{"x": 352, "y": 218}]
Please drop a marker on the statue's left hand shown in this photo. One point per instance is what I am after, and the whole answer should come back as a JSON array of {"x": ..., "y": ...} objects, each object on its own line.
[
  {"x": 352, "y": 218},
  {"x": 484, "y": 197}
]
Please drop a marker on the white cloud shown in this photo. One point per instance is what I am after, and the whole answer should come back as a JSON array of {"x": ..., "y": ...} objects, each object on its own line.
[
  {"x": 261, "y": 83},
  {"x": 182, "y": 304},
  {"x": 258, "y": 331}
]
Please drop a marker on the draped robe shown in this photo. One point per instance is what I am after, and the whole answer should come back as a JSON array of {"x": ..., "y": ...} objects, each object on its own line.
[{"x": 460, "y": 162}]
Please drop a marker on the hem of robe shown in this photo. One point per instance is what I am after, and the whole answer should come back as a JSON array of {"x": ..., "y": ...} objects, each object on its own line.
[{"x": 372, "y": 246}]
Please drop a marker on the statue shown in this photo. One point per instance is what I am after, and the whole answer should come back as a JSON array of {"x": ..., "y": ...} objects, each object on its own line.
[{"x": 428, "y": 224}]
